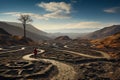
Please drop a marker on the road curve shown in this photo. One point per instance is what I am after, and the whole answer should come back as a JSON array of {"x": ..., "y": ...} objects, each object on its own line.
[
  {"x": 66, "y": 72},
  {"x": 105, "y": 55},
  {"x": 22, "y": 48}
]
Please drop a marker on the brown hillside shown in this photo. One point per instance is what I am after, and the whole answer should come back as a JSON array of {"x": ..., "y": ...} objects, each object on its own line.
[
  {"x": 111, "y": 41},
  {"x": 104, "y": 32},
  {"x": 111, "y": 45}
]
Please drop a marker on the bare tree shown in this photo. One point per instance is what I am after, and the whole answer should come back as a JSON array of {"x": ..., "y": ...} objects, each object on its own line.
[{"x": 25, "y": 19}]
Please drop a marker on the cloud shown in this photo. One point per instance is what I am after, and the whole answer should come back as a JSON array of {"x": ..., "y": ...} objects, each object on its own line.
[
  {"x": 56, "y": 9},
  {"x": 56, "y": 14},
  {"x": 78, "y": 25},
  {"x": 113, "y": 10},
  {"x": 37, "y": 16},
  {"x": 47, "y": 16},
  {"x": 56, "y": 6},
  {"x": 84, "y": 24}
]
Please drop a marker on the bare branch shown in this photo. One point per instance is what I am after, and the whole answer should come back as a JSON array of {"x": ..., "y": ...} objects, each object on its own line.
[{"x": 25, "y": 19}]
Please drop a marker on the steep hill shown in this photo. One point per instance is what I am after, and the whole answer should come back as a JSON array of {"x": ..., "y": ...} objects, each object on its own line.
[
  {"x": 102, "y": 33},
  {"x": 29, "y": 27},
  {"x": 110, "y": 44},
  {"x": 111, "y": 41},
  {"x": 32, "y": 32}
]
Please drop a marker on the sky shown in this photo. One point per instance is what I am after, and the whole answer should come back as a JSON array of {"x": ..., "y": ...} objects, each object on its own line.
[{"x": 65, "y": 16}]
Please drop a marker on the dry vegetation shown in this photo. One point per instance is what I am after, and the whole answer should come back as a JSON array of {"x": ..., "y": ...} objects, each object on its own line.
[{"x": 111, "y": 45}]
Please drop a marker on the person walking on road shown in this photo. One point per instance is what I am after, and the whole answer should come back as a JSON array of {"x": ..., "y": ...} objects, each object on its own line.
[{"x": 35, "y": 52}]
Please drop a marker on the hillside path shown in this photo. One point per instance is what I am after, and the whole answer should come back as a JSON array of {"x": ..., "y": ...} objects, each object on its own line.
[
  {"x": 66, "y": 72},
  {"x": 105, "y": 55}
]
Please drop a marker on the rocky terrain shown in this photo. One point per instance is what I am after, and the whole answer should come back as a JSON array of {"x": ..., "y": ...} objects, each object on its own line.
[
  {"x": 69, "y": 63},
  {"x": 109, "y": 44},
  {"x": 12, "y": 66},
  {"x": 112, "y": 41},
  {"x": 99, "y": 71},
  {"x": 104, "y": 32},
  {"x": 60, "y": 59}
]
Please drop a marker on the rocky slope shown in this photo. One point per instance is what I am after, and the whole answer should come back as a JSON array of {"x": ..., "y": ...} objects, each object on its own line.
[
  {"x": 17, "y": 29},
  {"x": 111, "y": 41},
  {"x": 102, "y": 33},
  {"x": 109, "y": 44}
]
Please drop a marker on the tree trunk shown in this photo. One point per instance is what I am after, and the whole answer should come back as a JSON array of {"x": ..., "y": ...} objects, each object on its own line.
[{"x": 24, "y": 25}]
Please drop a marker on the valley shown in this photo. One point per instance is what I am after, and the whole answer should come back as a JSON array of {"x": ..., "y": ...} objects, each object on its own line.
[
  {"x": 61, "y": 58},
  {"x": 74, "y": 62},
  {"x": 59, "y": 39}
]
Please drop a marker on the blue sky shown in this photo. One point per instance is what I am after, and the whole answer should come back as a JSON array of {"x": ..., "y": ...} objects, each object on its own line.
[{"x": 63, "y": 15}]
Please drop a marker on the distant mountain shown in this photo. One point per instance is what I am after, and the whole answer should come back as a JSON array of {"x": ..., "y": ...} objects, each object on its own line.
[
  {"x": 17, "y": 29},
  {"x": 102, "y": 33},
  {"x": 62, "y": 38},
  {"x": 7, "y": 39},
  {"x": 71, "y": 35},
  {"x": 29, "y": 27},
  {"x": 112, "y": 41}
]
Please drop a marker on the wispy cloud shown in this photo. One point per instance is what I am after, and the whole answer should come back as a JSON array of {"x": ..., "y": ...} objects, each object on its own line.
[
  {"x": 48, "y": 16},
  {"x": 56, "y": 14},
  {"x": 85, "y": 26},
  {"x": 113, "y": 10},
  {"x": 78, "y": 25},
  {"x": 37, "y": 16},
  {"x": 56, "y": 9},
  {"x": 56, "y": 6}
]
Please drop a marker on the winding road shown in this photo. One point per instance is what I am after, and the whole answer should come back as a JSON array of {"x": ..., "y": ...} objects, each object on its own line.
[
  {"x": 105, "y": 55},
  {"x": 64, "y": 69},
  {"x": 66, "y": 72},
  {"x": 22, "y": 48}
]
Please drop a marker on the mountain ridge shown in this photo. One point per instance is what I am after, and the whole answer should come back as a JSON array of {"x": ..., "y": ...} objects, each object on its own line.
[
  {"x": 110, "y": 41},
  {"x": 29, "y": 27},
  {"x": 104, "y": 32},
  {"x": 7, "y": 39},
  {"x": 15, "y": 30}
]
